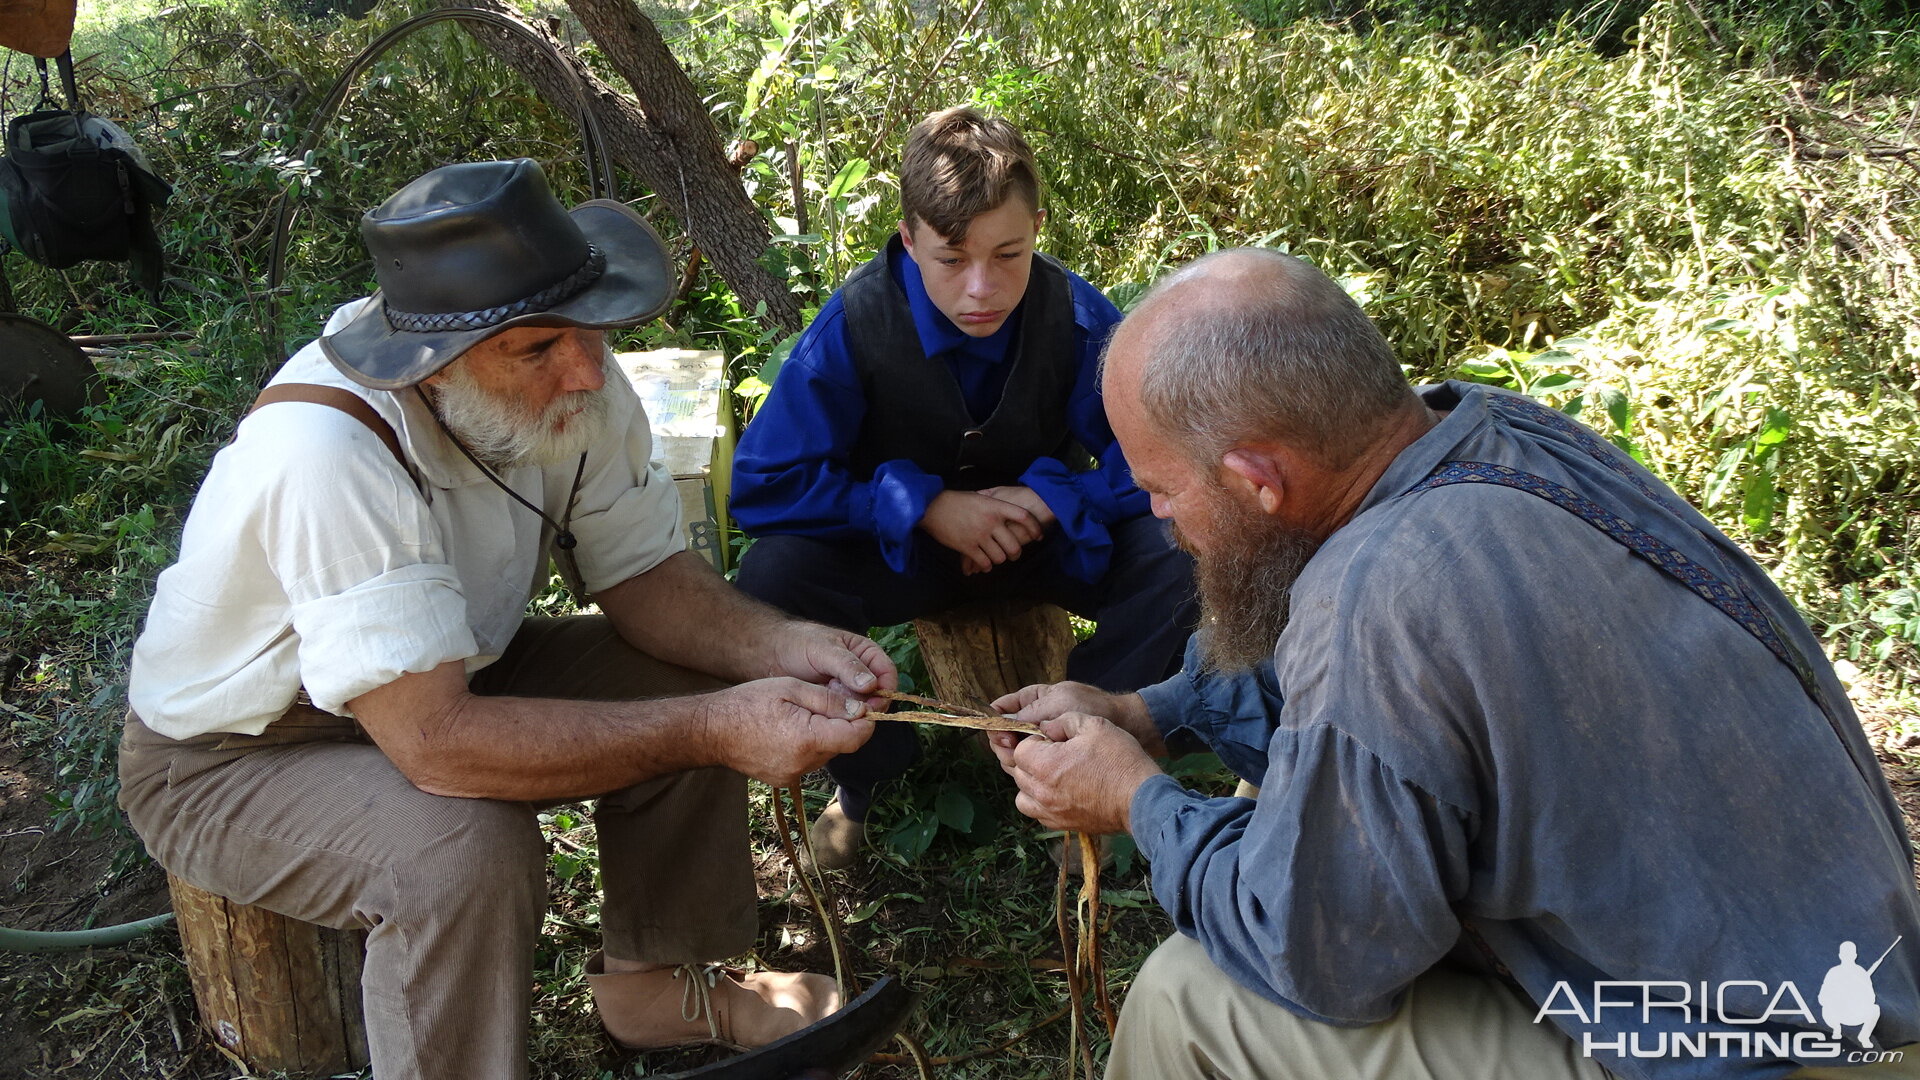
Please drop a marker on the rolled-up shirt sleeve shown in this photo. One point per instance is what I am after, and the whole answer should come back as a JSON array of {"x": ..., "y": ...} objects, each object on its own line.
[
  {"x": 410, "y": 619},
  {"x": 1085, "y": 507},
  {"x": 1232, "y": 714},
  {"x": 351, "y": 542},
  {"x": 901, "y": 492}
]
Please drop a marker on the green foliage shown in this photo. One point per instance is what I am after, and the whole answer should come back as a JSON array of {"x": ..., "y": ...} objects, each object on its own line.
[
  {"x": 1825, "y": 35},
  {"x": 1635, "y": 231},
  {"x": 954, "y": 805},
  {"x": 903, "y": 648}
]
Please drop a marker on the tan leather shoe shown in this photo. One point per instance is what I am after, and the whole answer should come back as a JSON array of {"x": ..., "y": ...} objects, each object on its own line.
[
  {"x": 707, "y": 1004},
  {"x": 835, "y": 838}
]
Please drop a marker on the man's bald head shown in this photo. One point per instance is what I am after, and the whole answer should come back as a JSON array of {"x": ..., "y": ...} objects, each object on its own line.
[{"x": 1251, "y": 346}]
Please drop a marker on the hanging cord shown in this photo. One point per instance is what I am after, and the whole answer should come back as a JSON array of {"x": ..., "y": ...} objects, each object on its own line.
[
  {"x": 1091, "y": 931},
  {"x": 67, "y": 82},
  {"x": 1084, "y": 966},
  {"x": 1080, "y": 945},
  {"x": 563, "y": 537},
  {"x": 1079, "y": 936},
  {"x": 820, "y": 895},
  {"x": 813, "y": 883},
  {"x": 1076, "y": 988},
  {"x": 46, "y": 87}
]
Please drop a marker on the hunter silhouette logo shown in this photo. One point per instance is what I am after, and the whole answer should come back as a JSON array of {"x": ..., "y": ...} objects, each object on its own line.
[
  {"x": 1732, "y": 1018},
  {"x": 1846, "y": 994}
]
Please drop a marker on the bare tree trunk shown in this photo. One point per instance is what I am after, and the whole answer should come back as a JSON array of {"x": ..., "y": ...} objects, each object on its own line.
[{"x": 665, "y": 139}]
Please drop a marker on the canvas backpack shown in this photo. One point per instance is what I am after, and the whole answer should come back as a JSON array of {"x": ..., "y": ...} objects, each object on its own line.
[{"x": 73, "y": 187}]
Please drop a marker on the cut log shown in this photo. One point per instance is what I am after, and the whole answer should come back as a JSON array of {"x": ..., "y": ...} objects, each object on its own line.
[
  {"x": 280, "y": 994},
  {"x": 977, "y": 653}
]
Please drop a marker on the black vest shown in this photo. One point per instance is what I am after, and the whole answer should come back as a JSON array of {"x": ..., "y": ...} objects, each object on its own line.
[{"x": 914, "y": 406}]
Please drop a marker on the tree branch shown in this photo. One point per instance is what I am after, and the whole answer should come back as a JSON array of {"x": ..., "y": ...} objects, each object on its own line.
[{"x": 664, "y": 137}]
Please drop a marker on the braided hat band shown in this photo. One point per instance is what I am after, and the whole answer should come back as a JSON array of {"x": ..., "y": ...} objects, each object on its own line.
[
  {"x": 559, "y": 292},
  {"x": 477, "y": 247}
]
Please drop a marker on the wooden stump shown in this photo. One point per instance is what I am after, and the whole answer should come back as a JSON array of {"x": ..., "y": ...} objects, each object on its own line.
[
  {"x": 282, "y": 995},
  {"x": 975, "y": 654}
]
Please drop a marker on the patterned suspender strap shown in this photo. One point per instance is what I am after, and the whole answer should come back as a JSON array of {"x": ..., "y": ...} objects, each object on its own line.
[
  {"x": 346, "y": 401},
  {"x": 1730, "y": 599},
  {"x": 1670, "y": 560},
  {"x": 1512, "y": 406}
]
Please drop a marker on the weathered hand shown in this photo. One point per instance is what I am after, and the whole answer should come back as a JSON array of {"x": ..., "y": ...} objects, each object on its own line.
[
  {"x": 985, "y": 531},
  {"x": 1081, "y": 777},
  {"x": 1045, "y": 701},
  {"x": 779, "y": 730},
  {"x": 1026, "y": 499},
  {"x": 841, "y": 661}
]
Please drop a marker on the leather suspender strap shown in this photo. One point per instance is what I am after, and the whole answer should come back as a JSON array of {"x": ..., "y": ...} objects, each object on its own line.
[
  {"x": 334, "y": 397},
  {"x": 356, "y": 406}
]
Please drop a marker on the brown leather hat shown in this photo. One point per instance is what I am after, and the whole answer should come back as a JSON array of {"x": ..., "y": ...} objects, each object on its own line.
[{"x": 469, "y": 250}]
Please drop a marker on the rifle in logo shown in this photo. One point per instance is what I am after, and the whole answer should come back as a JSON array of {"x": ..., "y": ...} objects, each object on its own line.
[{"x": 1846, "y": 994}]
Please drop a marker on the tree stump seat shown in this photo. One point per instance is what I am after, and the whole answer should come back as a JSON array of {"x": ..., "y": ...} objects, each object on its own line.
[
  {"x": 279, "y": 994},
  {"x": 976, "y": 653}
]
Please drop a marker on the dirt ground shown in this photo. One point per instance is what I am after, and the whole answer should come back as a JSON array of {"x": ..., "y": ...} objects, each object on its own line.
[
  {"x": 55, "y": 881},
  {"x": 1899, "y": 754}
]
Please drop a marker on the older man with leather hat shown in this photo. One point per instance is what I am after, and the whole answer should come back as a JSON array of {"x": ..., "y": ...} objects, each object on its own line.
[{"x": 341, "y": 712}]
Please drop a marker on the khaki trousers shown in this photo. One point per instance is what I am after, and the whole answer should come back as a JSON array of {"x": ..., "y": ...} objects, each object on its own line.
[
  {"x": 312, "y": 821},
  {"x": 1185, "y": 1019}
]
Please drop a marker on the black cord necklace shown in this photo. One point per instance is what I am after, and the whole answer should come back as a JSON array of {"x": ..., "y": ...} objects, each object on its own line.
[{"x": 563, "y": 537}]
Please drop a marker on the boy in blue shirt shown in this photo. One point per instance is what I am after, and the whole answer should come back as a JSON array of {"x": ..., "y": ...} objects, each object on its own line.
[{"x": 937, "y": 438}]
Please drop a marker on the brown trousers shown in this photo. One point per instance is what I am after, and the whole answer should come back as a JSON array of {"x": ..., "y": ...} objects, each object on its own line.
[{"x": 312, "y": 821}]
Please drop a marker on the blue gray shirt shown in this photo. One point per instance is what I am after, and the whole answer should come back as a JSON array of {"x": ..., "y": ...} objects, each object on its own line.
[{"x": 1494, "y": 712}]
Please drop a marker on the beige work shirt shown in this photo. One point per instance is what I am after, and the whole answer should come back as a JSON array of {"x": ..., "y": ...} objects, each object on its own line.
[{"x": 312, "y": 559}]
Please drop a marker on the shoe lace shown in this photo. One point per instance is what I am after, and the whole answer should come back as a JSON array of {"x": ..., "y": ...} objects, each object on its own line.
[{"x": 696, "y": 1000}]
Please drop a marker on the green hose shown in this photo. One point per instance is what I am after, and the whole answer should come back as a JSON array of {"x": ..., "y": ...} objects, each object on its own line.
[{"x": 13, "y": 940}]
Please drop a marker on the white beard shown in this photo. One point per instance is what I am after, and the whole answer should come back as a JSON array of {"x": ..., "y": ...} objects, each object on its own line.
[{"x": 504, "y": 435}]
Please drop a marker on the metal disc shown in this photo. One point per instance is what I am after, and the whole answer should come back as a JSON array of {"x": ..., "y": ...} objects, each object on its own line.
[{"x": 39, "y": 363}]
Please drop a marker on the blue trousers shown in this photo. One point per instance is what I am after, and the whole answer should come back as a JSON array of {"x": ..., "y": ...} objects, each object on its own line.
[{"x": 1144, "y": 607}]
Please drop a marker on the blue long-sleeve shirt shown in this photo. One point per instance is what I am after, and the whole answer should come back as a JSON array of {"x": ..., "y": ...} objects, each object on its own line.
[
  {"x": 1494, "y": 711},
  {"x": 791, "y": 475},
  {"x": 1230, "y": 714}
]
